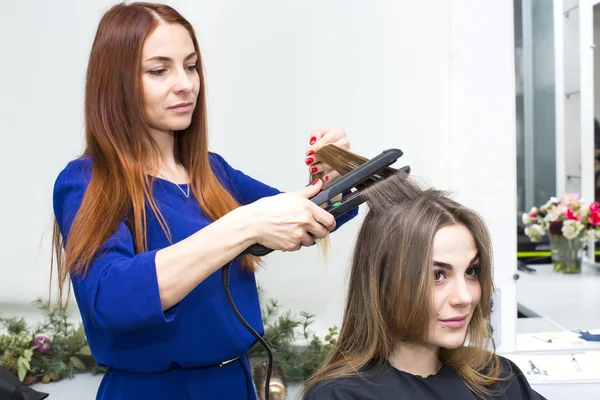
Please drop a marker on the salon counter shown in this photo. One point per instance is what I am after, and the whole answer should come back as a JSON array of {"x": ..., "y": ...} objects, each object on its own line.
[
  {"x": 565, "y": 301},
  {"x": 555, "y": 305}
]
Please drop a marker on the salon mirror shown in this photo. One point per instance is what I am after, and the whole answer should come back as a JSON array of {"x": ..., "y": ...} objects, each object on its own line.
[{"x": 557, "y": 108}]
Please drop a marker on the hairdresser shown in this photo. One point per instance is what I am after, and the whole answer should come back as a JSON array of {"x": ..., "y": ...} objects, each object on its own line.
[{"x": 147, "y": 217}]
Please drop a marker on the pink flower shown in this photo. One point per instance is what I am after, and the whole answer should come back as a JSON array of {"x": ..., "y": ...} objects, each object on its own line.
[
  {"x": 595, "y": 206},
  {"x": 42, "y": 344},
  {"x": 569, "y": 198},
  {"x": 570, "y": 216},
  {"x": 594, "y": 218}
]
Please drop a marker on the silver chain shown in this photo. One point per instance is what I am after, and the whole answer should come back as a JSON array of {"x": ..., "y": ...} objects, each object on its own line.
[{"x": 176, "y": 184}]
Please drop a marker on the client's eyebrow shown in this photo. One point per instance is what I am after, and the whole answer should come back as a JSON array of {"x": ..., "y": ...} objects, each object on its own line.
[
  {"x": 449, "y": 266},
  {"x": 167, "y": 59}
]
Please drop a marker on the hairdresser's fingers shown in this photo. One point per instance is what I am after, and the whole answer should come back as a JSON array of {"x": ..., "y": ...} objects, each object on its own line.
[
  {"x": 319, "y": 231},
  {"x": 330, "y": 176},
  {"x": 323, "y": 218},
  {"x": 315, "y": 136},
  {"x": 317, "y": 166},
  {"x": 334, "y": 135},
  {"x": 308, "y": 240}
]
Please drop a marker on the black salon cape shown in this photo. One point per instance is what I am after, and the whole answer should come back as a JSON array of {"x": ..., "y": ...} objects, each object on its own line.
[{"x": 386, "y": 382}]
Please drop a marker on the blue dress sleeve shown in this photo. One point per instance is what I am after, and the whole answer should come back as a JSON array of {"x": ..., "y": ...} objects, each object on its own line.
[
  {"x": 246, "y": 189},
  {"x": 120, "y": 290}
]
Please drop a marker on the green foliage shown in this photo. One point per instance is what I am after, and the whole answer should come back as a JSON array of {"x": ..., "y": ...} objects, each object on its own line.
[
  {"x": 283, "y": 332},
  {"x": 67, "y": 351}
]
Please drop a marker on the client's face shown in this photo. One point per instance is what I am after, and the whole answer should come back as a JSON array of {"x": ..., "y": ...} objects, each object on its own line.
[{"x": 456, "y": 288}]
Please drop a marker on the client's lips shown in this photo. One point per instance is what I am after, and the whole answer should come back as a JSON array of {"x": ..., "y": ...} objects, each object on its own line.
[{"x": 456, "y": 322}]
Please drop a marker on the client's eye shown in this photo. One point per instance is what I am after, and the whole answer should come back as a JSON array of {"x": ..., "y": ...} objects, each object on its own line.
[
  {"x": 473, "y": 271},
  {"x": 438, "y": 274}
]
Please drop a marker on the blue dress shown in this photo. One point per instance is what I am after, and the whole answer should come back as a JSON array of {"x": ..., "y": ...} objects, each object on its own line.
[{"x": 172, "y": 354}]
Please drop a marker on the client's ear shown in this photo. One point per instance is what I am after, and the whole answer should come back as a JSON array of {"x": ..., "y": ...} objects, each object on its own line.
[{"x": 11, "y": 388}]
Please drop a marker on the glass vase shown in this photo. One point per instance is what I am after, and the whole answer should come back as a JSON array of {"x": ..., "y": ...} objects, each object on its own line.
[{"x": 566, "y": 254}]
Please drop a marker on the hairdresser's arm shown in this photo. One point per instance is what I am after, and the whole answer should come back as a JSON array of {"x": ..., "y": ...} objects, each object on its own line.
[
  {"x": 247, "y": 190},
  {"x": 125, "y": 290},
  {"x": 280, "y": 222}
]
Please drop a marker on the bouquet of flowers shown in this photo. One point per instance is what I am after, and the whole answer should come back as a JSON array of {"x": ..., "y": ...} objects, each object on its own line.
[
  {"x": 568, "y": 216},
  {"x": 570, "y": 223}
]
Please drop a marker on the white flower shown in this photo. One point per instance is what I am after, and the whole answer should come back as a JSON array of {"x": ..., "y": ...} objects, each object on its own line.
[
  {"x": 562, "y": 209},
  {"x": 533, "y": 210},
  {"x": 571, "y": 229},
  {"x": 526, "y": 219},
  {"x": 552, "y": 215},
  {"x": 535, "y": 232},
  {"x": 589, "y": 237},
  {"x": 553, "y": 200}
]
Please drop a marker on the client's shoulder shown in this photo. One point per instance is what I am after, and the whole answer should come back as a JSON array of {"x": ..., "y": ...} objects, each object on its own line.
[
  {"x": 366, "y": 385},
  {"x": 508, "y": 369}
]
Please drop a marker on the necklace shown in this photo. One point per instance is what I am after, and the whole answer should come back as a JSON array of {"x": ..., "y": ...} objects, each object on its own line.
[{"x": 186, "y": 194}]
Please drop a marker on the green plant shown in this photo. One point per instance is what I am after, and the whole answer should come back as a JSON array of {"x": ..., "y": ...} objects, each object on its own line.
[
  {"x": 282, "y": 333},
  {"x": 52, "y": 351},
  {"x": 56, "y": 349}
]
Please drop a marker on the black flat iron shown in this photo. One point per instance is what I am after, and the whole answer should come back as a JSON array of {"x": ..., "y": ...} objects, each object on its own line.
[
  {"x": 349, "y": 186},
  {"x": 370, "y": 171}
]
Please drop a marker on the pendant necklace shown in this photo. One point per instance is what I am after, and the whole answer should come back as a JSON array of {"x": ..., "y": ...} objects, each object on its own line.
[{"x": 180, "y": 188}]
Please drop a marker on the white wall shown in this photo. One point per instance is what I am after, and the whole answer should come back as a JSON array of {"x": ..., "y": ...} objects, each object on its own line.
[
  {"x": 275, "y": 71},
  {"x": 483, "y": 134}
]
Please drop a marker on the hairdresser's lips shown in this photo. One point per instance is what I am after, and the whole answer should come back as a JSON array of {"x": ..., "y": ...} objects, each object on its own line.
[
  {"x": 455, "y": 323},
  {"x": 182, "y": 107}
]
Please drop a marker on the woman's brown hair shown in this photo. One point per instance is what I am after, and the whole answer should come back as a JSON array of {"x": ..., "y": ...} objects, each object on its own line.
[
  {"x": 120, "y": 146},
  {"x": 389, "y": 292}
]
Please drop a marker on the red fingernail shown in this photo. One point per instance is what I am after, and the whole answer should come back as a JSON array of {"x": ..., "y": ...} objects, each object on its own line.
[
  {"x": 313, "y": 140},
  {"x": 309, "y": 160},
  {"x": 310, "y": 152},
  {"x": 313, "y": 170},
  {"x": 316, "y": 181},
  {"x": 326, "y": 178}
]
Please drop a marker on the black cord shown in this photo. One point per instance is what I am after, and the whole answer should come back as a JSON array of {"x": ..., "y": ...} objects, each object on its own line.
[{"x": 225, "y": 276}]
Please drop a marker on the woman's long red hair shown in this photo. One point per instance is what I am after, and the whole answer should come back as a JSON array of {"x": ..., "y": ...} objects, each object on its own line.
[{"x": 120, "y": 147}]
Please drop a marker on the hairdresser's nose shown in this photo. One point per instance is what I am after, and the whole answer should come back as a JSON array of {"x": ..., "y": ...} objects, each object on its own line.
[
  {"x": 183, "y": 82},
  {"x": 461, "y": 295}
]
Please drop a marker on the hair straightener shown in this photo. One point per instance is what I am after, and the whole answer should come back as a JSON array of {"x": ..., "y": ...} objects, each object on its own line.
[{"x": 361, "y": 177}]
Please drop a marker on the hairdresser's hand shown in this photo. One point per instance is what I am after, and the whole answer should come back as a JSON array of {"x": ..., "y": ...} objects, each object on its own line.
[
  {"x": 319, "y": 139},
  {"x": 289, "y": 221}
]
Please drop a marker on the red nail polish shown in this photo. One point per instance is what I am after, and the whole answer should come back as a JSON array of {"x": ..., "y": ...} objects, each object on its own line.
[
  {"x": 313, "y": 170},
  {"x": 310, "y": 152},
  {"x": 316, "y": 181},
  {"x": 326, "y": 178},
  {"x": 309, "y": 160},
  {"x": 313, "y": 140}
]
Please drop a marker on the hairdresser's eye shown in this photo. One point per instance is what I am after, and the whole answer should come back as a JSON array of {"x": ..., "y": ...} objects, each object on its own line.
[
  {"x": 473, "y": 271},
  {"x": 192, "y": 68},
  {"x": 438, "y": 275},
  {"x": 158, "y": 71}
]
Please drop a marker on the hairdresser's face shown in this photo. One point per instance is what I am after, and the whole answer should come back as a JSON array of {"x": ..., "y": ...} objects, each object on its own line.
[
  {"x": 170, "y": 81},
  {"x": 456, "y": 287}
]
